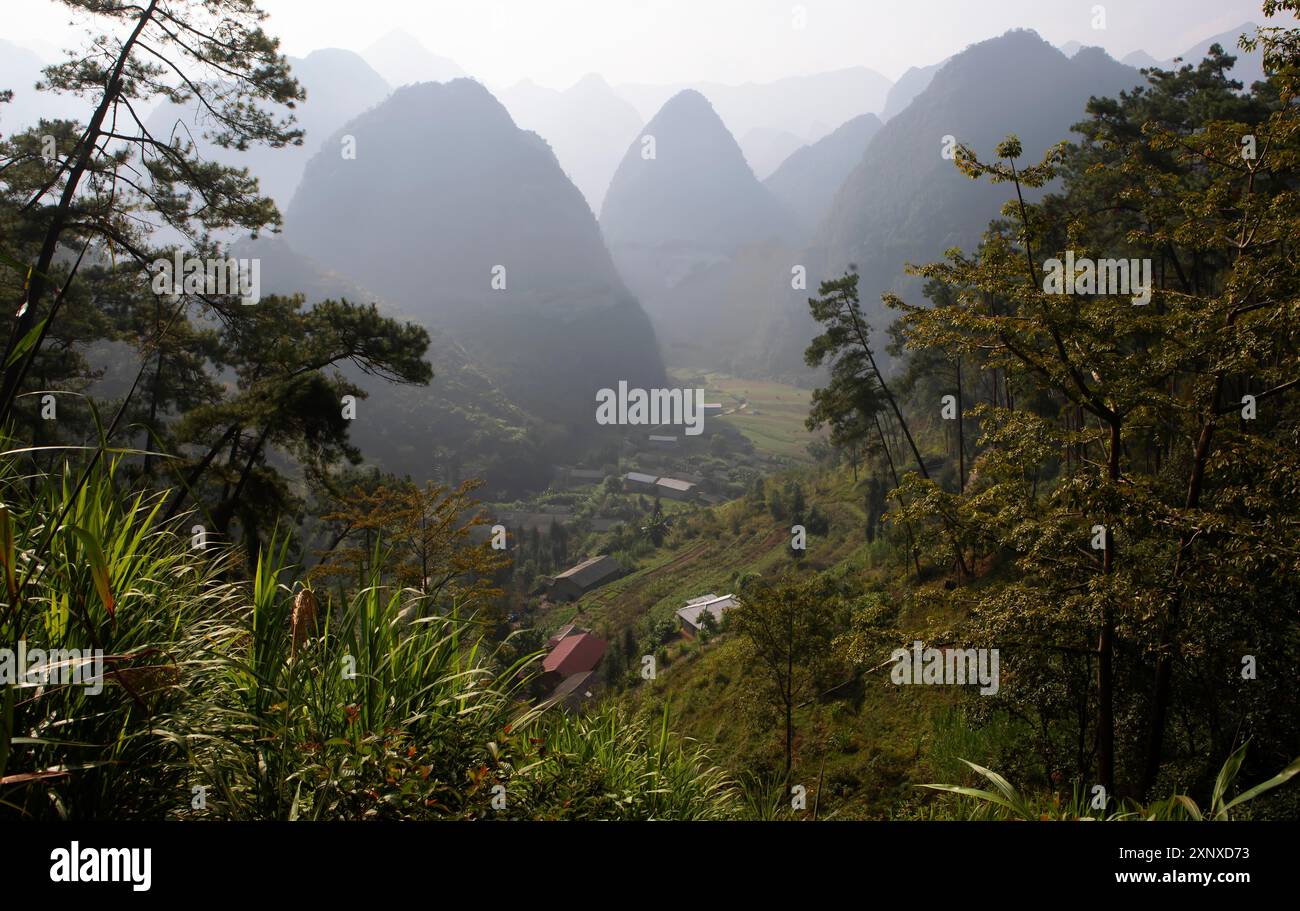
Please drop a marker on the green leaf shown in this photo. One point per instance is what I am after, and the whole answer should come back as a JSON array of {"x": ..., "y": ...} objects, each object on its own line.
[
  {"x": 1226, "y": 776},
  {"x": 24, "y": 344},
  {"x": 987, "y": 796},
  {"x": 1280, "y": 778},
  {"x": 1015, "y": 801},
  {"x": 98, "y": 566}
]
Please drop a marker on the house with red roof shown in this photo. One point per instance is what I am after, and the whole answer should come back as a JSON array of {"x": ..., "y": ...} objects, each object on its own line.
[
  {"x": 574, "y": 655},
  {"x": 564, "y": 632}
]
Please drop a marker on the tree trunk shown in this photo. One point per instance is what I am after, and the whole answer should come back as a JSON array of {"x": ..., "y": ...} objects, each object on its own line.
[
  {"x": 1106, "y": 644},
  {"x": 907, "y": 526},
  {"x": 223, "y": 514},
  {"x": 789, "y": 700},
  {"x": 153, "y": 410},
  {"x": 50, "y": 244},
  {"x": 961, "y": 436},
  {"x": 197, "y": 471},
  {"x": 1162, "y": 686}
]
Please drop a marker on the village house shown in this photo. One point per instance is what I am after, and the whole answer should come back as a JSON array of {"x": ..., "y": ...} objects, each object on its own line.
[
  {"x": 573, "y": 691},
  {"x": 573, "y": 655},
  {"x": 675, "y": 489},
  {"x": 576, "y": 581},
  {"x": 691, "y": 617},
  {"x": 575, "y": 477},
  {"x": 638, "y": 482},
  {"x": 564, "y": 632}
]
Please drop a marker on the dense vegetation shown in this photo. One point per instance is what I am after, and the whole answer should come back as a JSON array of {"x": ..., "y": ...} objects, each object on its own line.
[{"x": 1109, "y": 497}]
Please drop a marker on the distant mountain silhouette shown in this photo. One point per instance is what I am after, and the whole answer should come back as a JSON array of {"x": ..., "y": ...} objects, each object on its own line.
[
  {"x": 686, "y": 228},
  {"x": 908, "y": 86},
  {"x": 587, "y": 125},
  {"x": 905, "y": 203},
  {"x": 697, "y": 189},
  {"x": 1248, "y": 69},
  {"x": 447, "y": 195},
  {"x": 402, "y": 60},
  {"x": 1140, "y": 59},
  {"x": 339, "y": 84},
  {"x": 20, "y": 69},
  {"x": 765, "y": 149},
  {"x": 808, "y": 180},
  {"x": 806, "y": 106}
]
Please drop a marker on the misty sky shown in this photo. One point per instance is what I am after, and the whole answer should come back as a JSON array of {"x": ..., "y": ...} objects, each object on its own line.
[{"x": 554, "y": 42}]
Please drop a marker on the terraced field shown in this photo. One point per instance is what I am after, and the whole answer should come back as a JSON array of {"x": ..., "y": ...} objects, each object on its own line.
[{"x": 770, "y": 414}]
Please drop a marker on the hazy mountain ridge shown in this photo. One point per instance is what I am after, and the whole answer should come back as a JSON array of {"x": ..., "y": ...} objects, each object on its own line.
[
  {"x": 587, "y": 125},
  {"x": 704, "y": 245},
  {"x": 445, "y": 193},
  {"x": 696, "y": 189},
  {"x": 806, "y": 106},
  {"x": 1248, "y": 69},
  {"x": 908, "y": 86},
  {"x": 905, "y": 202},
  {"x": 402, "y": 60},
  {"x": 339, "y": 85},
  {"x": 403, "y": 428},
  {"x": 767, "y": 148},
  {"x": 20, "y": 69},
  {"x": 808, "y": 180}
]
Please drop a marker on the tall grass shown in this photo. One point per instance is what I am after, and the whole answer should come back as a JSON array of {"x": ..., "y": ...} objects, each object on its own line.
[
  {"x": 211, "y": 710},
  {"x": 89, "y": 569},
  {"x": 1005, "y": 802},
  {"x": 609, "y": 766}
]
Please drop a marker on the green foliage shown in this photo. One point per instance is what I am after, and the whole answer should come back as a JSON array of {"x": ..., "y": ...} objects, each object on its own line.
[
  {"x": 234, "y": 700},
  {"x": 1132, "y": 505},
  {"x": 1006, "y": 802}
]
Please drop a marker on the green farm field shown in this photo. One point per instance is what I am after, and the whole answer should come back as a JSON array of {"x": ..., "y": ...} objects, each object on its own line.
[{"x": 770, "y": 414}]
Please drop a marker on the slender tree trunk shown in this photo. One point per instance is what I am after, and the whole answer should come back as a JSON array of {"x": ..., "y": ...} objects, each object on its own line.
[
  {"x": 961, "y": 436},
  {"x": 907, "y": 526},
  {"x": 1162, "y": 686},
  {"x": 153, "y": 412},
  {"x": 199, "y": 469},
  {"x": 889, "y": 396},
  {"x": 1106, "y": 644},
  {"x": 789, "y": 700},
  {"x": 50, "y": 244},
  {"x": 225, "y": 512}
]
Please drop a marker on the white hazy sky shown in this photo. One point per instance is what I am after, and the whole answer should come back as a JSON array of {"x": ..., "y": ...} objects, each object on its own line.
[{"x": 555, "y": 42}]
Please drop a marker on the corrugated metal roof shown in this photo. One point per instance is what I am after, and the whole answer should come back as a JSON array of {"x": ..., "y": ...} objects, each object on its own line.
[
  {"x": 693, "y": 610},
  {"x": 674, "y": 484},
  {"x": 575, "y": 655},
  {"x": 589, "y": 572},
  {"x": 564, "y": 632},
  {"x": 572, "y": 683},
  {"x": 639, "y": 478}
]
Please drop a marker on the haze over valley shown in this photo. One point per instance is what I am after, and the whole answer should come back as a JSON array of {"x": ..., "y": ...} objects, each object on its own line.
[{"x": 677, "y": 410}]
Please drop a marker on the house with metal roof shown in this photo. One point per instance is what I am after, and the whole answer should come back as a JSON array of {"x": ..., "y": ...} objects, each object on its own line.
[
  {"x": 691, "y": 617},
  {"x": 573, "y": 691},
  {"x": 675, "y": 489},
  {"x": 638, "y": 482},
  {"x": 575, "y": 477},
  {"x": 564, "y": 632},
  {"x": 576, "y": 581}
]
